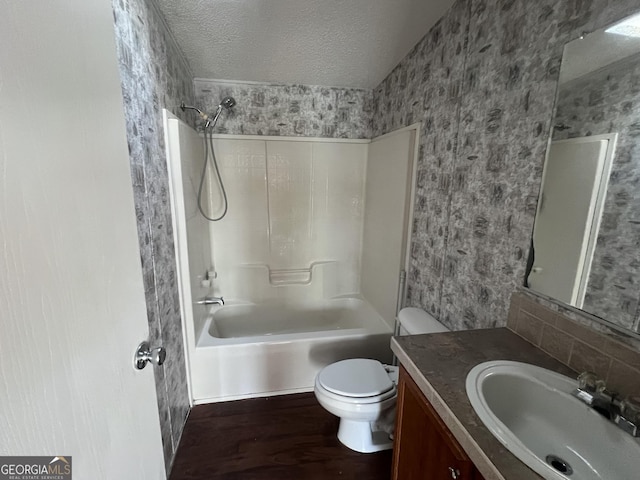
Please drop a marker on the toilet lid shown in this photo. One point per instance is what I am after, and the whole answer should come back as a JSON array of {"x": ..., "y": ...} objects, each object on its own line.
[{"x": 357, "y": 377}]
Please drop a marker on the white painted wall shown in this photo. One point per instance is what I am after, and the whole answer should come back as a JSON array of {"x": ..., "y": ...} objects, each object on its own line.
[
  {"x": 386, "y": 220},
  {"x": 71, "y": 291}
]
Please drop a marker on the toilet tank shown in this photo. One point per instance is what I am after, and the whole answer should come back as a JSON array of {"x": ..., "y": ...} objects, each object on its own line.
[{"x": 414, "y": 321}]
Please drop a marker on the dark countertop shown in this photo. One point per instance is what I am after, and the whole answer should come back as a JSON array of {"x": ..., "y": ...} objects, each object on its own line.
[{"x": 439, "y": 364}]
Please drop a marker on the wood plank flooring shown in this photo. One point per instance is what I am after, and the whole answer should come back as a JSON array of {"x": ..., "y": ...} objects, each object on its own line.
[{"x": 287, "y": 437}]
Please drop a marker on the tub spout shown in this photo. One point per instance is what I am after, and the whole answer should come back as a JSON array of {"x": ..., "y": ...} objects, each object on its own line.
[{"x": 211, "y": 301}]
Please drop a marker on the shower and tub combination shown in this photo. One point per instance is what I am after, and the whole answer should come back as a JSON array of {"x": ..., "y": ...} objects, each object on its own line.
[{"x": 289, "y": 251}]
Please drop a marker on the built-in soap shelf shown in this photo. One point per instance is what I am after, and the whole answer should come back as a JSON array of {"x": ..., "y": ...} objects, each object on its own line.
[
  {"x": 294, "y": 276},
  {"x": 290, "y": 276}
]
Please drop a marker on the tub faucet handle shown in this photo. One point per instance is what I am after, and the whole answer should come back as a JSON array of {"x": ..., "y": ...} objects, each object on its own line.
[{"x": 211, "y": 301}]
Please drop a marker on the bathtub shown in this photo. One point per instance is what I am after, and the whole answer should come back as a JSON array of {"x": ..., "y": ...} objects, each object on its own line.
[{"x": 248, "y": 350}]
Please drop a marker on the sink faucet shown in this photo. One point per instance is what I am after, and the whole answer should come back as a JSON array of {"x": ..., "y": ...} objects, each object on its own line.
[
  {"x": 211, "y": 301},
  {"x": 624, "y": 413}
]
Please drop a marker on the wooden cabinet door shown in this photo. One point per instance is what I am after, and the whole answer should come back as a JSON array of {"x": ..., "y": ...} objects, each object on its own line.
[{"x": 424, "y": 448}]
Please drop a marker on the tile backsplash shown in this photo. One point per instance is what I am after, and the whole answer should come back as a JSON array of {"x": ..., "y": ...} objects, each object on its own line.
[{"x": 569, "y": 338}]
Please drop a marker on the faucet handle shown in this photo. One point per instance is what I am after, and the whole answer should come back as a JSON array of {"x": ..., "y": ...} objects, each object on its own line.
[
  {"x": 590, "y": 382},
  {"x": 629, "y": 417},
  {"x": 630, "y": 408}
]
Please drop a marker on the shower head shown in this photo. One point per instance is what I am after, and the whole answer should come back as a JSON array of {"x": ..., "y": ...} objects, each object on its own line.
[{"x": 228, "y": 102}]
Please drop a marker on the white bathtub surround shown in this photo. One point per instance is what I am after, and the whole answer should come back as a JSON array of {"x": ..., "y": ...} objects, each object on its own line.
[
  {"x": 248, "y": 350},
  {"x": 387, "y": 218},
  {"x": 292, "y": 204},
  {"x": 190, "y": 229},
  {"x": 287, "y": 258}
]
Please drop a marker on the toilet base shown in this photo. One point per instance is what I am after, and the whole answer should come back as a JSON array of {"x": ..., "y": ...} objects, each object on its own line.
[{"x": 359, "y": 437}]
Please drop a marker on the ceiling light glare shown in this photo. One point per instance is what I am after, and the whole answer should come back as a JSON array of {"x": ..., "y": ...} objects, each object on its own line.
[{"x": 629, "y": 27}]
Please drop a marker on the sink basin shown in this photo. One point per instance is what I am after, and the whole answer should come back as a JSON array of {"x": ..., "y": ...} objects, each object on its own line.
[{"x": 531, "y": 411}]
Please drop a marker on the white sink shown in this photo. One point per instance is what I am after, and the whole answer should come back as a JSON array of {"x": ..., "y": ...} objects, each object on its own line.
[{"x": 531, "y": 411}]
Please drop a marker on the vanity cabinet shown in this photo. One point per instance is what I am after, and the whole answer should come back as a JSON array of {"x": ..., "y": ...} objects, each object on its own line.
[{"x": 424, "y": 448}]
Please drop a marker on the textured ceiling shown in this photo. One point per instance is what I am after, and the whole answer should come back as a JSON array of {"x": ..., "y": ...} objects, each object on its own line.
[{"x": 347, "y": 43}]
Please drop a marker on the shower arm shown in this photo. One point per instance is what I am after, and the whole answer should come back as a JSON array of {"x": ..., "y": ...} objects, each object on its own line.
[
  {"x": 207, "y": 120},
  {"x": 203, "y": 115}
]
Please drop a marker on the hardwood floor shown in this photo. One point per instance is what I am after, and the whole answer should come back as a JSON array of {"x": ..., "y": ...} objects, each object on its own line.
[{"x": 288, "y": 437}]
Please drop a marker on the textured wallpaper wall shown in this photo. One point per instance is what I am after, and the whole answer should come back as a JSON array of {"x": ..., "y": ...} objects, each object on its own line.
[
  {"x": 289, "y": 110},
  {"x": 483, "y": 83},
  {"x": 154, "y": 75},
  {"x": 608, "y": 101}
]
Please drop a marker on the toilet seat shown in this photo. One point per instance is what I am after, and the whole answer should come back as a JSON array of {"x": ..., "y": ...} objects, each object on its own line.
[
  {"x": 355, "y": 400},
  {"x": 359, "y": 379}
]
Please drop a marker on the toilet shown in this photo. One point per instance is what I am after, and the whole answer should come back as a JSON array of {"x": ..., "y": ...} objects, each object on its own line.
[{"x": 362, "y": 392}]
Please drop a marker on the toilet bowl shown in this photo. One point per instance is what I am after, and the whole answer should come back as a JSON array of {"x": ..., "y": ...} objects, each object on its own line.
[{"x": 362, "y": 392}]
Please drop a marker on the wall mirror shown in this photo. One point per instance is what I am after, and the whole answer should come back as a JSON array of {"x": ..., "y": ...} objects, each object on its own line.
[{"x": 586, "y": 238}]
